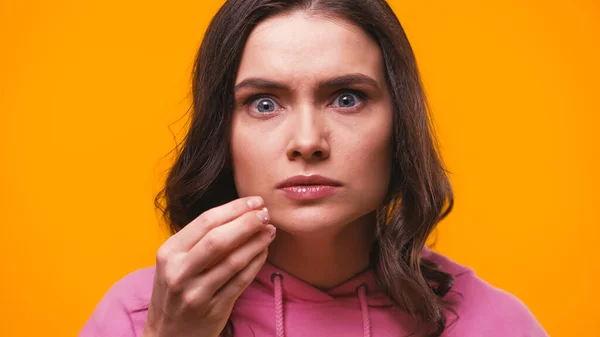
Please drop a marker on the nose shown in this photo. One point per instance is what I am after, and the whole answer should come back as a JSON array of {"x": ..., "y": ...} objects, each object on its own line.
[{"x": 310, "y": 137}]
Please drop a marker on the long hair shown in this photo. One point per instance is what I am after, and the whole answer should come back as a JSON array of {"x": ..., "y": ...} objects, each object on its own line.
[{"x": 419, "y": 194}]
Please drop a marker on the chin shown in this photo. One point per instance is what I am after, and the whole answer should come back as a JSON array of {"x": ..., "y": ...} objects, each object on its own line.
[{"x": 314, "y": 219}]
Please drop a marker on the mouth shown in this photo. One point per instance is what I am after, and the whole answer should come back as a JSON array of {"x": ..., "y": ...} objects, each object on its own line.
[{"x": 308, "y": 187}]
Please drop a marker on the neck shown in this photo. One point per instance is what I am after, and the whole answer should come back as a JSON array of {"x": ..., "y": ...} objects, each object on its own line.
[{"x": 325, "y": 260}]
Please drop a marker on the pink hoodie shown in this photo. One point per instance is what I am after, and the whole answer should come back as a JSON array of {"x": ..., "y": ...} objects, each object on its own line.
[{"x": 277, "y": 304}]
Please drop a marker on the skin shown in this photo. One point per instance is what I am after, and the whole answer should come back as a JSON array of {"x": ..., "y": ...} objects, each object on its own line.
[
  {"x": 312, "y": 129},
  {"x": 300, "y": 127}
]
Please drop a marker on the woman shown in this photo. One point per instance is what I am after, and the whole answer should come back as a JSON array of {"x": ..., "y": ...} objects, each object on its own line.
[{"x": 305, "y": 190}]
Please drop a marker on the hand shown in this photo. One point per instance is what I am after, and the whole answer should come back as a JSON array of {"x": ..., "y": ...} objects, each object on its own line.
[{"x": 205, "y": 267}]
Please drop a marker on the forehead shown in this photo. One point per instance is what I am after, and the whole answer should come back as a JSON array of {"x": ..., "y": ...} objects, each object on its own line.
[{"x": 299, "y": 46}]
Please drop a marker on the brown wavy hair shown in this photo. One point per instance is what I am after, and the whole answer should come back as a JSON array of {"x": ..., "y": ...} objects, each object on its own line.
[{"x": 419, "y": 194}]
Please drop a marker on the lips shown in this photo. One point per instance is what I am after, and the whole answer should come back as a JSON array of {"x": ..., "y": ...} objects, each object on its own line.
[
  {"x": 308, "y": 188},
  {"x": 310, "y": 180}
]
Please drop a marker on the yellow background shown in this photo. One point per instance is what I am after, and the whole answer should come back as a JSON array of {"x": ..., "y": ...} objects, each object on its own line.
[{"x": 89, "y": 88}]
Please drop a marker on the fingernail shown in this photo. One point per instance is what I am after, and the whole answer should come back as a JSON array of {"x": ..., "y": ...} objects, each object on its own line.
[
  {"x": 255, "y": 202},
  {"x": 271, "y": 229},
  {"x": 263, "y": 215}
]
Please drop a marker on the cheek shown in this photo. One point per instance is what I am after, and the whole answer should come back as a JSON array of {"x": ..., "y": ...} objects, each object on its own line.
[
  {"x": 242, "y": 158},
  {"x": 370, "y": 163},
  {"x": 249, "y": 153},
  {"x": 377, "y": 162}
]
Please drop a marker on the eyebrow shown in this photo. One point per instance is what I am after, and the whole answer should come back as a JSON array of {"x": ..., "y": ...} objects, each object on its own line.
[{"x": 335, "y": 82}]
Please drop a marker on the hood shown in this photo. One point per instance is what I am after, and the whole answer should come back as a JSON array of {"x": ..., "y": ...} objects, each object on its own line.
[
  {"x": 361, "y": 291},
  {"x": 296, "y": 290}
]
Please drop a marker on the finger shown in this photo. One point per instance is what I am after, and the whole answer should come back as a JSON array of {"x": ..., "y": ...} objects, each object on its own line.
[
  {"x": 187, "y": 237},
  {"x": 229, "y": 293},
  {"x": 237, "y": 261},
  {"x": 221, "y": 241},
  {"x": 201, "y": 289}
]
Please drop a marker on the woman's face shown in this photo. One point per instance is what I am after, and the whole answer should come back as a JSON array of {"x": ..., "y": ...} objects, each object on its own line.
[{"x": 311, "y": 99}]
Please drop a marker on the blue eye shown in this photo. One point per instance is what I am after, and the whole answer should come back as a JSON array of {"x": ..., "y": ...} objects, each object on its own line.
[
  {"x": 264, "y": 105},
  {"x": 347, "y": 100}
]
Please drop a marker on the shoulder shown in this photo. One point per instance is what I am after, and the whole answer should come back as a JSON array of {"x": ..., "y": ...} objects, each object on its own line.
[
  {"x": 482, "y": 309},
  {"x": 122, "y": 310},
  {"x": 133, "y": 291}
]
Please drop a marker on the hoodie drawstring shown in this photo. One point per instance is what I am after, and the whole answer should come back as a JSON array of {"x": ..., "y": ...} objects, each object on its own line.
[
  {"x": 364, "y": 308},
  {"x": 277, "y": 280}
]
